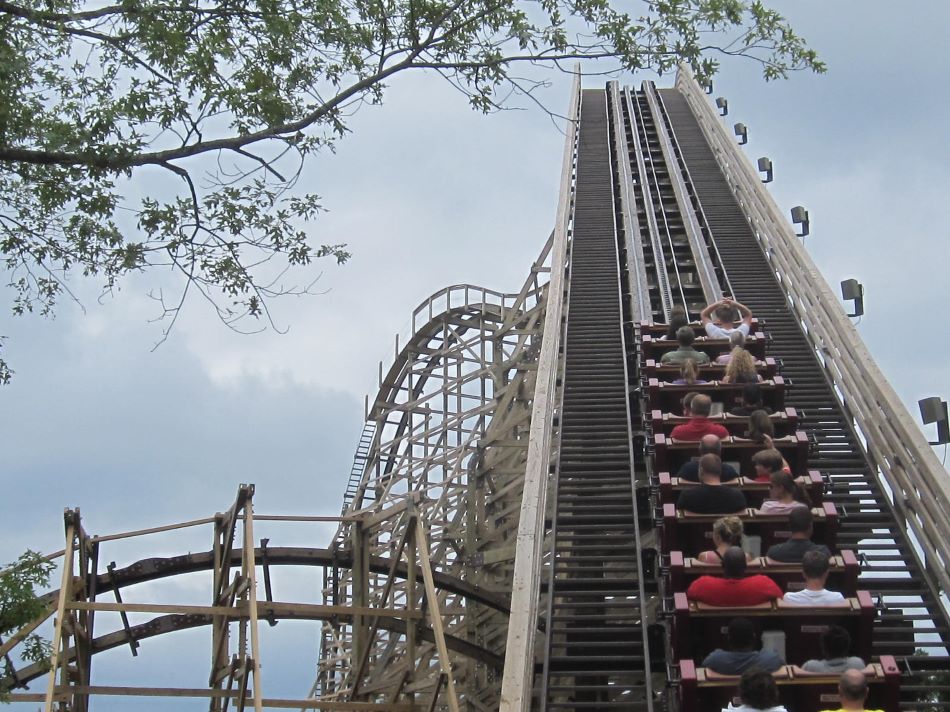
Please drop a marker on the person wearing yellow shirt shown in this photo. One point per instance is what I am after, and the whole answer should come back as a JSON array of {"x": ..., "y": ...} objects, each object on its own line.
[{"x": 852, "y": 692}]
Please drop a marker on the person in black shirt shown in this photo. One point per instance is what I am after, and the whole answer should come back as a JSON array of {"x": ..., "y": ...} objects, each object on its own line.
[
  {"x": 751, "y": 401},
  {"x": 711, "y": 496},
  {"x": 708, "y": 445},
  {"x": 800, "y": 523},
  {"x": 743, "y": 653}
]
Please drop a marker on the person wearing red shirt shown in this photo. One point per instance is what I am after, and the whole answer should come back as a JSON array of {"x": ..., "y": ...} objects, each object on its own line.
[
  {"x": 734, "y": 588},
  {"x": 699, "y": 424}
]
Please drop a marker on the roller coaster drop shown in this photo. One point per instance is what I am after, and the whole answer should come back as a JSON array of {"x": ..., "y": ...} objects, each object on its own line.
[{"x": 507, "y": 540}]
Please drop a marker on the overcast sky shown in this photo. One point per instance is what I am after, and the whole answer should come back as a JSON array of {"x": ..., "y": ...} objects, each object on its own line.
[{"x": 427, "y": 193}]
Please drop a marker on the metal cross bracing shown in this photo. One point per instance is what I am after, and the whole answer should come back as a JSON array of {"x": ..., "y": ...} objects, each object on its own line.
[
  {"x": 911, "y": 622},
  {"x": 596, "y": 651}
]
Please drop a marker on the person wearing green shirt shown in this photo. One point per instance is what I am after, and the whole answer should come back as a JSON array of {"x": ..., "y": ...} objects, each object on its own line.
[{"x": 685, "y": 336}]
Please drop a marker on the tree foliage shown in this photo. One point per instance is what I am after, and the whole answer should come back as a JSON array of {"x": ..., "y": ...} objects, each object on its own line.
[
  {"x": 138, "y": 134},
  {"x": 19, "y": 605}
]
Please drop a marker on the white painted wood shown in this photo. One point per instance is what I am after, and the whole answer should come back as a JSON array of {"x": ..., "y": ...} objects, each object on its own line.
[
  {"x": 636, "y": 261},
  {"x": 435, "y": 615},
  {"x": 65, "y": 592},
  {"x": 250, "y": 573},
  {"x": 519, "y": 651}
]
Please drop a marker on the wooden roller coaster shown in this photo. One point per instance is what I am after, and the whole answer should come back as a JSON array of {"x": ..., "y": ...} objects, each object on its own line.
[{"x": 509, "y": 538}]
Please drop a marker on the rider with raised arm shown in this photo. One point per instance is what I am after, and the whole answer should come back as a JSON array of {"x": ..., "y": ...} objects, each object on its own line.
[{"x": 719, "y": 318}]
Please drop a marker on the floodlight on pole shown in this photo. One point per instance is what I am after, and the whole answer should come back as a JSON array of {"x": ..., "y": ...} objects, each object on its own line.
[
  {"x": 853, "y": 289},
  {"x": 934, "y": 410},
  {"x": 800, "y": 217},
  {"x": 742, "y": 132}
]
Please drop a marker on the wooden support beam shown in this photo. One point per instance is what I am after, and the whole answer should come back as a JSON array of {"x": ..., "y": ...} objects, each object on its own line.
[
  {"x": 384, "y": 597},
  {"x": 65, "y": 593},
  {"x": 435, "y": 615},
  {"x": 61, "y": 694},
  {"x": 249, "y": 569}
]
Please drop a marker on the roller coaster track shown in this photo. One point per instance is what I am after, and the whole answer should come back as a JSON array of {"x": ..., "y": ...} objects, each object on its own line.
[{"x": 497, "y": 545}]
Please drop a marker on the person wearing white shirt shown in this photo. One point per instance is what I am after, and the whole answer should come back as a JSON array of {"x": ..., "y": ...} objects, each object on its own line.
[
  {"x": 725, "y": 322},
  {"x": 815, "y": 565}
]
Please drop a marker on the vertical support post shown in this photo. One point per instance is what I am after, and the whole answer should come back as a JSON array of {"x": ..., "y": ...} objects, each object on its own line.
[
  {"x": 360, "y": 584},
  {"x": 219, "y": 626},
  {"x": 435, "y": 616},
  {"x": 249, "y": 571},
  {"x": 224, "y": 666},
  {"x": 58, "y": 661},
  {"x": 471, "y": 530},
  {"x": 83, "y": 621},
  {"x": 412, "y": 604}
]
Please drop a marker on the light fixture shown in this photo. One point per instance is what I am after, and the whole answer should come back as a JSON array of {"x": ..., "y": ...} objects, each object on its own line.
[
  {"x": 853, "y": 289},
  {"x": 709, "y": 87},
  {"x": 765, "y": 166},
  {"x": 742, "y": 132},
  {"x": 723, "y": 105},
  {"x": 934, "y": 410},
  {"x": 800, "y": 217}
]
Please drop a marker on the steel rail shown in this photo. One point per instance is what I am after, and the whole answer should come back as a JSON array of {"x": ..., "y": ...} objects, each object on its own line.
[
  {"x": 647, "y": 122},
  {"x": 173, "y": 623},
  {"x": 647, "y": 203},
  {"x": 723, "y": 275},
  {"x": 705, "y": 269},
  {"x": 629, "y": 224},
  {"x": 629, "y": 381}
]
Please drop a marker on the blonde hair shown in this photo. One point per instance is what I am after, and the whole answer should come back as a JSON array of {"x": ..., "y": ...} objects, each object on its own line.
[
  {"x": 741, "y": 367},
  {"x": 728, "y": 530},
  {"x": 689, "y": 371}
]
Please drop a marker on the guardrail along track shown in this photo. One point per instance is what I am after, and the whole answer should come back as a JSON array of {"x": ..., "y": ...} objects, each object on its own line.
[{"x": 596, "y": 652}]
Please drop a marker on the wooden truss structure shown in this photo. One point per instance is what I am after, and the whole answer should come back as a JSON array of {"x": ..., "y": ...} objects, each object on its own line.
[
  {"x": 414, "y": 608},
  {"x": 431, "y": 584},
  {"x": 451, "y": 429}
]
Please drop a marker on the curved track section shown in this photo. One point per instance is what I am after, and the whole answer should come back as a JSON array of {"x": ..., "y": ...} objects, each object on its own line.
[
  {"x": 158, "y": 568},
  {"x": 450, "y": 445}
]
